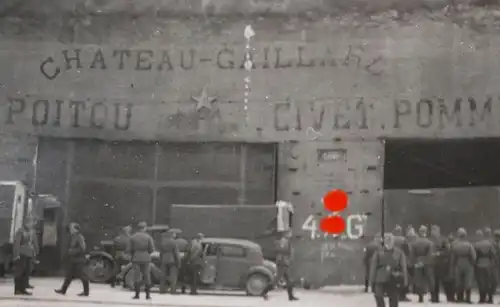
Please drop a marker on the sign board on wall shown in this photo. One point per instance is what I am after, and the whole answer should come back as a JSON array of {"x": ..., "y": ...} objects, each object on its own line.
[{"x": 333, "y": 90}]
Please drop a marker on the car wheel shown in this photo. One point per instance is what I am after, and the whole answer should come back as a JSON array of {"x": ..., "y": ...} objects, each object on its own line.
[
  {"x": 256, "y": 284},
  {"x": 100, "y": 269}
]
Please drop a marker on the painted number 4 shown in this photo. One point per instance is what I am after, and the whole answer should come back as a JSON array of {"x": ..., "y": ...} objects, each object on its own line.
[{"x": 311, "y": 225}]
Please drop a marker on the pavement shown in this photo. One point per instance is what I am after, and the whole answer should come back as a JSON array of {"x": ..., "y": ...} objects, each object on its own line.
[{"x": 105, "y": 296}]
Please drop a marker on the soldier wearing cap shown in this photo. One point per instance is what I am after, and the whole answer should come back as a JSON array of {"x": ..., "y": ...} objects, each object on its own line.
[
  {"x": 23, "y": 253},
  {"x": 439, "y": 263},
  {"x": 485, "y": 266},
  {"x": 422, "y": 250},
  {"x": 401, "y": 243},
  {"x": 369, "y": 251},
  {"x": 121, "y": 247},
  {"x": 283, "y": 261},
  {"x": 388, "y": 272},
  {"x": 140, "y": 249},
  {"x": 170, "y": 261},
  {"x": 193, "y": 262},
  {"x": 76, "y": 261},
  {"x": 463, "y": 258},
  {"x": 449, "y": 280}
]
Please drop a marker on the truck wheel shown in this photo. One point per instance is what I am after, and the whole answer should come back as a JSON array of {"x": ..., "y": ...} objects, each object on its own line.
[
  {"x": 256, "y": 284},
  {"x": 100, "y": 269}
]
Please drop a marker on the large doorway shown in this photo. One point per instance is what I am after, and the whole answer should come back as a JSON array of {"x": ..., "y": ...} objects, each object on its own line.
[
  {"x": 450, "y": 183},
  {"x": 106, "y": 185}
]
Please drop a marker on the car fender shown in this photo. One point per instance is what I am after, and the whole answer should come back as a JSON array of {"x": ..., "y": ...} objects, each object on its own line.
[
  {"x": 102, "y": 254},
  {"x": 261, "y": 270}
]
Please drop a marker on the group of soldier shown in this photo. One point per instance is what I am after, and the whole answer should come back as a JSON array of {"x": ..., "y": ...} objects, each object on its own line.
[
  {"x": 181, "y": 259},
  {"x": 178, "y": 257},
  {"x": 423, "y": 262}
]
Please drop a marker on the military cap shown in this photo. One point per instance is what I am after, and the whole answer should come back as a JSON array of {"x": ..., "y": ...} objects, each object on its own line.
[
  {"x": 200, "y": 235},
  {"x": 487, "y": 231},
  {"x": 142, "y": 224},
  {"x": 435, "y": 227},
  {"x": 461, "y": 232},
  {"x": 479, "y": 232}
]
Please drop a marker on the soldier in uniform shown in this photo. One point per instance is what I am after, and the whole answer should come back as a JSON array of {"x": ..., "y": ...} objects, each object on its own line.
[
  {"x": 449, "y": 279},
  {"x": 485, "y": 265},
  {"x": 369, "y": 251},
  {"x": 411, "y": 237},
  {"x": 283, "y": 259},
  {"x": 488, "y": 233},
  {"x": 463, "y": 258},
  {"x": 23, "y": 254},
  {"x": 388, "y": 272},
  {"x": 140, "y": 249},
  {"x": 121, "y": 246},
  {"x": 440, "y": 266},
  {"x": 192, "y": 263},
  {"x": 402, "y": 243},
  {"x": 76, "y": 261},
  {"x": 421, "y": 255},
  {"x": 170, "y": 261}
]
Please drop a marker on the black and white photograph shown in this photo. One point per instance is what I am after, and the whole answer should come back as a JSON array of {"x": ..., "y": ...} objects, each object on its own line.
[{"x": 249, "y": 153}]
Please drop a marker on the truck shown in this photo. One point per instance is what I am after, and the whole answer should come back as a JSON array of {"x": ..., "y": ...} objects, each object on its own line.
[
  {"x": 16, "y": 204},
  {"x": 14, "y": 208}
]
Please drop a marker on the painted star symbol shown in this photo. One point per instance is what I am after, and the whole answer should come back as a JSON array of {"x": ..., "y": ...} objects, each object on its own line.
[{"x": 204, "y": 101}]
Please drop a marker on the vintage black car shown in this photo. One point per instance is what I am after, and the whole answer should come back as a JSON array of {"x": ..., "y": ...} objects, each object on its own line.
[{"x": 230, "y": 264}]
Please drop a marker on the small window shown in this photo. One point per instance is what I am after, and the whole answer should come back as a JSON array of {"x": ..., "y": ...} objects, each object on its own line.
[
  {"x": 232, "y": 251},
  {"x": 210, "y": 250}
]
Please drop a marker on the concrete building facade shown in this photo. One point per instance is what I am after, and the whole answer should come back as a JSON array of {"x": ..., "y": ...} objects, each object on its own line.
[{"x": 113, "y": 100}]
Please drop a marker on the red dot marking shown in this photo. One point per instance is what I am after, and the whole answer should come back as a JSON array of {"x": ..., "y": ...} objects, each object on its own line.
[
  {"x": 332, "y": 224},
  {"x": 334, "y": 201}
]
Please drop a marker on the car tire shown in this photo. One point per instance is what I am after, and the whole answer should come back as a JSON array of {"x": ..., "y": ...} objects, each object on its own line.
[
  {"x": 100, "y": 269},
  {"x": 256, "y": 284}
]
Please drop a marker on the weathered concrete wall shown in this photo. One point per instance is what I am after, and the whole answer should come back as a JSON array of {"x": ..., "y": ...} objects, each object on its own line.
[{"x": 329, "y": 88}]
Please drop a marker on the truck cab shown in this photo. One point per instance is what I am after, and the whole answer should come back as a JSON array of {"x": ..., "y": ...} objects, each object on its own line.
[{"x": 14, "y": 208}]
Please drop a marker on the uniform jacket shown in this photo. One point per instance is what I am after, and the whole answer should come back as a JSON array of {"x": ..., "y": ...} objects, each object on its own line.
[
  {"x": 169, "y": 251},
  {"x": 462, "y": 254},
  {"x": 441, "y": 250},
  {"x": 23, "y": 244},
  {"x": 401, "y": 243},
  {"x": 77, "y": 248},
  {"x": 422, "y": 251},
  {"x": 370, "y": 250},
  {"x": 182, "y": 244},
  {"x": 284, "y": 251},
  {"x": 121, "y": 245},
  {"x": 194, "y": 253},
  {"x": 486, "y": 254},
  {"x": 141, "y": 246},
  {"x": 384, "y": 262}
]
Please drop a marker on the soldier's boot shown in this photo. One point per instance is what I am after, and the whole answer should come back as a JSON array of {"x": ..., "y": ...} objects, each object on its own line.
[
  {"x": 460, "y": 296},
  {"x": 291, "y": 297},
  {"x": 434, "y": 297},
  {"x": 137, "y": 289},
  {"x": 265, "y": 292},
  {"x": 148, "y": 293},
  {"x": 490, "y": 298},
  {"x": 481, "y": 297},
  {"x": 420, "y": 298},
  {"x": 467, "y": 296}
]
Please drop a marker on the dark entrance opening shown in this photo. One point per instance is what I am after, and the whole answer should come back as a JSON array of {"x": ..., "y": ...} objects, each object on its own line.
[{"x": 451, "y": 183}]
